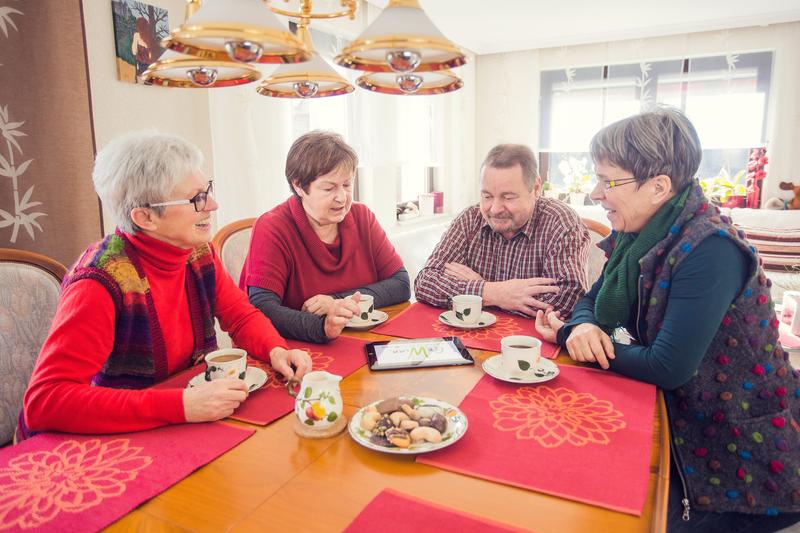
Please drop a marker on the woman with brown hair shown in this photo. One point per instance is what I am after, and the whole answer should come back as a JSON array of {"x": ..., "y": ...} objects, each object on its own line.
[{"x": 311, "y": 253}]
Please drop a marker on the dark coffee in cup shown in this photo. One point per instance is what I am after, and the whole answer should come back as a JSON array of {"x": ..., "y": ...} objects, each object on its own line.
[
  {"x": 225, "y": 358},
  {"x": 521, "y": 346}
]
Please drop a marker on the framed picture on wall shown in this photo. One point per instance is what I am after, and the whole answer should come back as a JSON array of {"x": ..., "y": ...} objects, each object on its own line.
[{"x": 138, "y": 30}]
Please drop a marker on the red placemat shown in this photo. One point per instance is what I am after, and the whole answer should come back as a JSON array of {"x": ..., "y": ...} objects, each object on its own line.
[
  {"x": 585, "y": 436},
  {"x": 65, "y": 482},
  {"x": 395, "y": 512},
  {"x": 341, "y": 357},
  {"x": 421, "y": 321}
]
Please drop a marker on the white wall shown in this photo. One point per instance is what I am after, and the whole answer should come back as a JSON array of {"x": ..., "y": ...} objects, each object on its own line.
[
  {"x": 507, "y": 107},
  {"x": 119, "y": 107}
]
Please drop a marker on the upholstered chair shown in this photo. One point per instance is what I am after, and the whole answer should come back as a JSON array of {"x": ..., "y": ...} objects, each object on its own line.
[
  {"x": 597, "y": 258},
  {"x": 30, "y": 286},
  {"x": 232, "y": 243}
]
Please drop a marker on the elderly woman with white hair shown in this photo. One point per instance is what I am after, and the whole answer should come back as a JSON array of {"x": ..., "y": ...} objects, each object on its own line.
[{"x": 140, "y": 305}]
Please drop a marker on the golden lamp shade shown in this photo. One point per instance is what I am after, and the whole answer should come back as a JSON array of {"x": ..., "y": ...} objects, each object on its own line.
[
  {"x": 244, "y": 31},
  {"x": 414, "y": 83},
  {"x": 402, "y": 39},
  {"x": 177, "y": 70},
  {"x": 311, "y": 79}
]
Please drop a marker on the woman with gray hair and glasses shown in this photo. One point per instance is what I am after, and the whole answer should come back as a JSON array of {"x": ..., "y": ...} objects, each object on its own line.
[
  {"x": 140, "y": 305},
  {"x": 683, "y": 303}
]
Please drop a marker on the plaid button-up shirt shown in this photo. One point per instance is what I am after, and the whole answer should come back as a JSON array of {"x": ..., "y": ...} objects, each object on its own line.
[{"x": 554, "y": 243}]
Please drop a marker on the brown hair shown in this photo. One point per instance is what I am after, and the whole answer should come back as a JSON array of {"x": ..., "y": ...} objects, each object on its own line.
[
  {"x": 510, "y": 155},
  {"x": 315, "y": 154},
  {"x": 661, "y": 141}
]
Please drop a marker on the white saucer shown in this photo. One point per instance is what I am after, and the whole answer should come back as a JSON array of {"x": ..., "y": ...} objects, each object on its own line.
[
  {"x": 449, "y": 318},
  {"x": 377, "y": 318},
  {"x": 255, "y": 379},
  {"x": 546, "y": 371}
]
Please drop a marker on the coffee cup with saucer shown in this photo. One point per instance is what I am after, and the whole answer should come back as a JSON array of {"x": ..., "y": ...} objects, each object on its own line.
[
  {"x": 520, "y": 361},
  {"x": 367, "y": 316},
  {"x": 467, "y": 313},
  {"x": 230, "y": 363}
]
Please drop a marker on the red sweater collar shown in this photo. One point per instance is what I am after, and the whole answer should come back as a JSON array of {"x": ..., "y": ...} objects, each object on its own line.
[
  {"x": 321, "y": 253},
  {"x": 159, "y": 254}
]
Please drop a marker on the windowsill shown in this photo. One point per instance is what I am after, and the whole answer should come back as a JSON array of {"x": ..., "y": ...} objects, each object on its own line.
[{"x": 424, "y": 220}]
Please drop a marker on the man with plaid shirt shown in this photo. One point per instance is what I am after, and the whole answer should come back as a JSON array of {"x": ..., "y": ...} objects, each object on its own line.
[{"x": 519, "y": 251}]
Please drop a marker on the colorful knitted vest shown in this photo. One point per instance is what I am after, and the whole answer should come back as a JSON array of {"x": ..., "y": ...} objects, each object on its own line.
[
  {"x": 733, "y": 429},
  {"x": 138, "y": 358}
]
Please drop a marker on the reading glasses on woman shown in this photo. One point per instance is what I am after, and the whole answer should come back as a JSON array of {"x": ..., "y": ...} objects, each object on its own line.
[
  {"x": 608, "y": 185},
  {"x": 199, "y": 200}
]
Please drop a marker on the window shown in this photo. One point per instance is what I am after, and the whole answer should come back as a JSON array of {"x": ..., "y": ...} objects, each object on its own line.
[{"x": 725, "y": 96}]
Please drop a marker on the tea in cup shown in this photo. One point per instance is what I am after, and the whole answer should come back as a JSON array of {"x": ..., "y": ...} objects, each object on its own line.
[
  {"x": 226, "y": 363},
  {"x": 467, "y": 308},
  {"x": 520, "y": 354},
  {"x": 366, "y": 306}
]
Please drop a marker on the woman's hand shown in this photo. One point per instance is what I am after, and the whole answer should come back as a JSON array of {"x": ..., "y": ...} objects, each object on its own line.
[
  {"x": 548, "y": 323},
  {"x": 282, "y": 360},
  {"x": 339, "y": 314},
  {"x": 588, "y": 343},
  {"x": 213, "y": 400},
  {"x": 319, "y": 304}
]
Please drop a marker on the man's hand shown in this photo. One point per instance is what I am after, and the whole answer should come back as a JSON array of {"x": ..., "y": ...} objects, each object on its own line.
[
  {"x": 519, "y": 294},
  {"x": 461, "y": 271},
  {"x": 548, "y": 323},
  {"x": 282, "y": 360},
  {"x": 588, "y": 343},
  {"x": 319, "y": 304},
  {"x": 339, "y": 314},
  {"x": 213, "y": 400}
]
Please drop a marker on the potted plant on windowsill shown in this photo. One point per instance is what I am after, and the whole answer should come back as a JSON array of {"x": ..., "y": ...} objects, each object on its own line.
[
  {"x": 724, "y": 190},
  {"x": 577, "y": 179}
]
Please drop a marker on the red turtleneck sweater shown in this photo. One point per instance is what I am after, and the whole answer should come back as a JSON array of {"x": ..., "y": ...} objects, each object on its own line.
[
  {"x": 81, "y": 337},
  {"x": 288, "y": 258}
]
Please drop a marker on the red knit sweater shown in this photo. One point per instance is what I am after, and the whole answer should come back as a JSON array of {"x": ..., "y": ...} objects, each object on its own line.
[
  {"x": 288, "y": 258},
  {"x": 60, "y": 396}
]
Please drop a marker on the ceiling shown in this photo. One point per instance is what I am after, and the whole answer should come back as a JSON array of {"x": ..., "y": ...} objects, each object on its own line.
[{"x": 493, "y": 26}]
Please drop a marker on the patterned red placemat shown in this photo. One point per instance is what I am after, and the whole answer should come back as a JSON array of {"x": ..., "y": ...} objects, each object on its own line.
[
  {"x": 420, "y": 321},
  {"x": 341, "y": 357},
  {"x": 395, "y": 512},
  {"x": 65, "y": 482},
  {"x": 584, "y": 436}
]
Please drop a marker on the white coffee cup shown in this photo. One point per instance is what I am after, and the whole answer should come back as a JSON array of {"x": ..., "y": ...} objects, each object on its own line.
[
  {"x": 366, "y": 306},
  {"x": 226, "y": 363},
  {"x": 467, "y": 308},
  {"x": 521, "y": 354}
]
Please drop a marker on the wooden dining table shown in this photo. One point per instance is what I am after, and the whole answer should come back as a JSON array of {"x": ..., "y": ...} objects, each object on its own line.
[{"x": 278, "y": 481}]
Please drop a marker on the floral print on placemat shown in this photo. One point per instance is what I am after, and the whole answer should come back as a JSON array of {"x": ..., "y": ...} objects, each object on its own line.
[
  {"x": 504, "y": 327},
  {"x": 555, "y": 416},
  {"x": 71, "y": 478}
]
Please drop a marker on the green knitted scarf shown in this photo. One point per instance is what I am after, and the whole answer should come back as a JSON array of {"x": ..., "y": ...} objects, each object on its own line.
[{"x": 616, "y": 296}]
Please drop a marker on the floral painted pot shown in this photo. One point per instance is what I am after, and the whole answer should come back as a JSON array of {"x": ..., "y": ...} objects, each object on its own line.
[{"x": 318, "y": 402}]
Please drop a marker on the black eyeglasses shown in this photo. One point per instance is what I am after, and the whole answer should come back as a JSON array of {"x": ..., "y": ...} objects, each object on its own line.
[{"x": 199, "y": 200}]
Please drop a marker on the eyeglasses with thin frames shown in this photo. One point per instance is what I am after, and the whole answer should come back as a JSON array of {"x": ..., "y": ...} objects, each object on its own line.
[
  {"x": 608, "y": 185},
  {"x": 199, "y": 200}
]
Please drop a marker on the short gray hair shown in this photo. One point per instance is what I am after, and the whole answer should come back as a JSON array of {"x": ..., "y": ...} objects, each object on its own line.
[
  {"x": 510, "y": 155},
  {"x": 140, "y": 168},
  {"x": 661, "y": 141}
]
